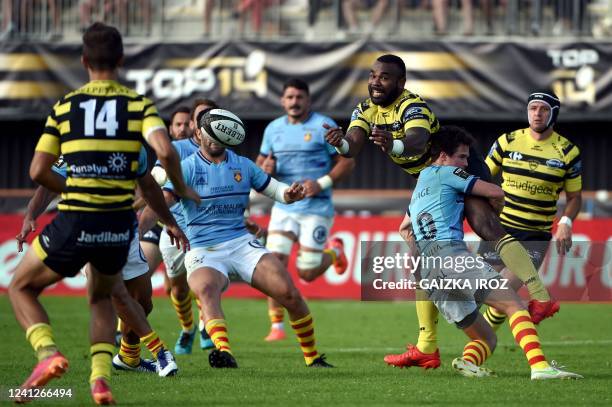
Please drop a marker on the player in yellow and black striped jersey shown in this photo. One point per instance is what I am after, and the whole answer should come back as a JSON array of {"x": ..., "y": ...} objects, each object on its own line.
[
  {"x": 401, "y": 124},
  {"x": 407, "y": 111},
  {"x": 99, "y": 130},
  {"x": 536, "y": 164}
]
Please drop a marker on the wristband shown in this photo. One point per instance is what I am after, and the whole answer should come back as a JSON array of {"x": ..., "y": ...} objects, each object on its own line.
[
  {"x": 344, "y": 147},
  {"x": 398, "y": 147},
  {"x": 565, "y": 220},
  {"x": 325, "y": 182}
]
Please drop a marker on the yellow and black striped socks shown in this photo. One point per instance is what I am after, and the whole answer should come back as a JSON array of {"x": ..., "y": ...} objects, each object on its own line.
[
  {"x": 427, "y": 314},
  {"x": 101, "y": 357},
  {"x": 40, "y": 337},
  {"x": 526, "y": 336},
  {"x": 183, "y": 311},
  {"x": 516, "y": 258},
  {"x": 130, "y": 353},
  {"x": 153, "y": 343},
  {"x": 217, "y": 330},
  {"x": 476, "y": 351},
  {"x": 304, "y": 330},
  {"x": 494, "y": 317}
]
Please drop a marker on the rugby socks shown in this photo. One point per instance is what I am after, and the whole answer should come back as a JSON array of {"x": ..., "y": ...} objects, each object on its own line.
[
  {"x": 494, "y": 317},
  {"x": 183, "y": 311},
  {"x": 153, "y": 343},
  {"x": 333, "y": 253},
  {"x": 101, "y": 357},
  {"x": 516, "y": 258},
  {"x": 304, "y": 330},
  {"x": 476, "y": 351},
  {"x": 526, "y": 336},
  {"x": 40, "y": 337},
  {"x": 130, "y": 353},
  {"x": 276, "y": 314},
  {"x": 200, "y": 314},
  {"x": 427, "y": 314},
  {"x": 217, "y": 330}
]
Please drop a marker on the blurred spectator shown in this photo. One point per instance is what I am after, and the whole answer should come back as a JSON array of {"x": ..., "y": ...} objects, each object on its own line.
[
  {"x": 349, "y": 11},
  {"x": 112, "y": 12},
  {"x": 256, "y": 9},
  {"x": 570, "y": 14},
  {"x": 440, "y": 16},
  {"x": 8, "y": 21},
  {"x": 208, "y": 9},
  {"x": 32, "y": 9},
  {"x": 314, "y": 6}
]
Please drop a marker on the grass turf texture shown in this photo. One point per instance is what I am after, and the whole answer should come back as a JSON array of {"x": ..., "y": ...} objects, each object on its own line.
[{"x": 354, "y": 335}]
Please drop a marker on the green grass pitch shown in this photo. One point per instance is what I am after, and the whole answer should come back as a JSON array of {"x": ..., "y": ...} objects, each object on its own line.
[{"x": 354, "y": 335}]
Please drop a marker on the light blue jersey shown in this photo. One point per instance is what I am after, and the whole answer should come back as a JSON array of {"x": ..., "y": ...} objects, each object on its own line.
[
  {"x": 184, "y": 148},
  {"x": 436, "y": 208},
  {"x": 224, "y": 189},
  {"x": 59, "y": 167},
  {"x": 301, "y": 153}
]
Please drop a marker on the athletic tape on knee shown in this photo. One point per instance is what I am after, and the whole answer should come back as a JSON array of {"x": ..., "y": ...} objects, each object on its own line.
[
  {"x": 309, "y": 260},
  {"x": 278, "y": 243}
]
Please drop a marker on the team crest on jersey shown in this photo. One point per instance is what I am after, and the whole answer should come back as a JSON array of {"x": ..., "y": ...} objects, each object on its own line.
[
  {"x": 533, "y": 164},
  {"x": 237, "y": 175},
  {"x": 307, "y": 137},
  {"x": 396, "y": 126}
]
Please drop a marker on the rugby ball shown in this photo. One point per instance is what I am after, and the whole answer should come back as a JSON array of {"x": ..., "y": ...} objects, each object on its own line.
[{"x": 223, "y": 126}]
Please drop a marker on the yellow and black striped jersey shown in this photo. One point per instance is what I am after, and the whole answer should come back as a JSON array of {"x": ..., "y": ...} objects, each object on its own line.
[
  {"x": 534, "y": 173},
  {"x": 99, "y": 130},
  {"x": 408, "y": 110}
]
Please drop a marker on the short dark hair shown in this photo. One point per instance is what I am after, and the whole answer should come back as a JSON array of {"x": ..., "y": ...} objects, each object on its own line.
[
  {"x": 180, "y": 109},
  {"x": 296, "y": 83},
  {"x": 102, "y": 47},
  {"x": 199, "y": 102},
  {"x": 394, "y": 60},
  {"x": 448, "y": 139}
]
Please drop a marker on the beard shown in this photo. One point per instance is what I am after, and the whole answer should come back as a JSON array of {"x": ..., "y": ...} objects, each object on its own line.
[{"x": 386, "y": 99}]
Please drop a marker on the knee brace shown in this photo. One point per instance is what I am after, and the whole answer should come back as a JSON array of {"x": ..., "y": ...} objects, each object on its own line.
[
  {"x": 278, "y": 243},
  {"x": 309, "y": 260}
]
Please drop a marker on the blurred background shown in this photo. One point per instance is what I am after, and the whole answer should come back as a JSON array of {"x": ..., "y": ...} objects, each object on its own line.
[{"x": 474, "y": 61}]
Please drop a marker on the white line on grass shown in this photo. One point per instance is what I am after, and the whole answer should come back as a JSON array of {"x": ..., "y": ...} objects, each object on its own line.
[{"x": 545, "y": 343}]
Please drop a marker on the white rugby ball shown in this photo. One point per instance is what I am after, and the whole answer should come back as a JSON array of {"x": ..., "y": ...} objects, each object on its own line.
[{"x": 223, "y": 126}]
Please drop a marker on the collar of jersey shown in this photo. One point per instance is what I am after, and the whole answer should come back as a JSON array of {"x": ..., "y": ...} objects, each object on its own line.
[
  {"x": 207, "y": 161},
  {"x": 104, "y": 82},
  {"x": 194, "y": 143}
]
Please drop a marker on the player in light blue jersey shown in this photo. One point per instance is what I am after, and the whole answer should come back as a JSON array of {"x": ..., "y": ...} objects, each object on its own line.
[
  {"x": 180, "y": 295},
  {"x": 455, "y": 280},
  {"x": 294, "y": 150},
  {"x": 135, "y": 272},
  {"x": 222, "y": 246}
]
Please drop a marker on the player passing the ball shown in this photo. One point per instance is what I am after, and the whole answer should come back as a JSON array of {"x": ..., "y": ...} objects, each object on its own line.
[{"x": 220, "y": 242}]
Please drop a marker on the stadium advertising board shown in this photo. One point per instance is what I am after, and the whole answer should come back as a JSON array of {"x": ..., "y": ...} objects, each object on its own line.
[
  {"x": 585, "y": 274},
  {"x": 460, "y": 80}
]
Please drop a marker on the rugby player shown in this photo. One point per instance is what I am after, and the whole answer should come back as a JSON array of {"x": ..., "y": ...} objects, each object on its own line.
[{"x": 294, "y": 150}]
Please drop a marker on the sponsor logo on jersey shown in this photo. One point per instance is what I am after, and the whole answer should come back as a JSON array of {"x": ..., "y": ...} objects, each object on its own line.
[
  {"x": 461, "y": 173},
  {"x": 493, "y": 148},
  {"x": 104, "y": 237},
  {"x": 516, "y": 156},
  {"x": 554, "y": 163},
  {"x": 529, "y": 187}
]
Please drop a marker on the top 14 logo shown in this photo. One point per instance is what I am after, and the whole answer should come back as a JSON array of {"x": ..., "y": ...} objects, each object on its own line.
[
  {"x": 184, "y": 77},
  {"x": 574, "y": 76}
]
